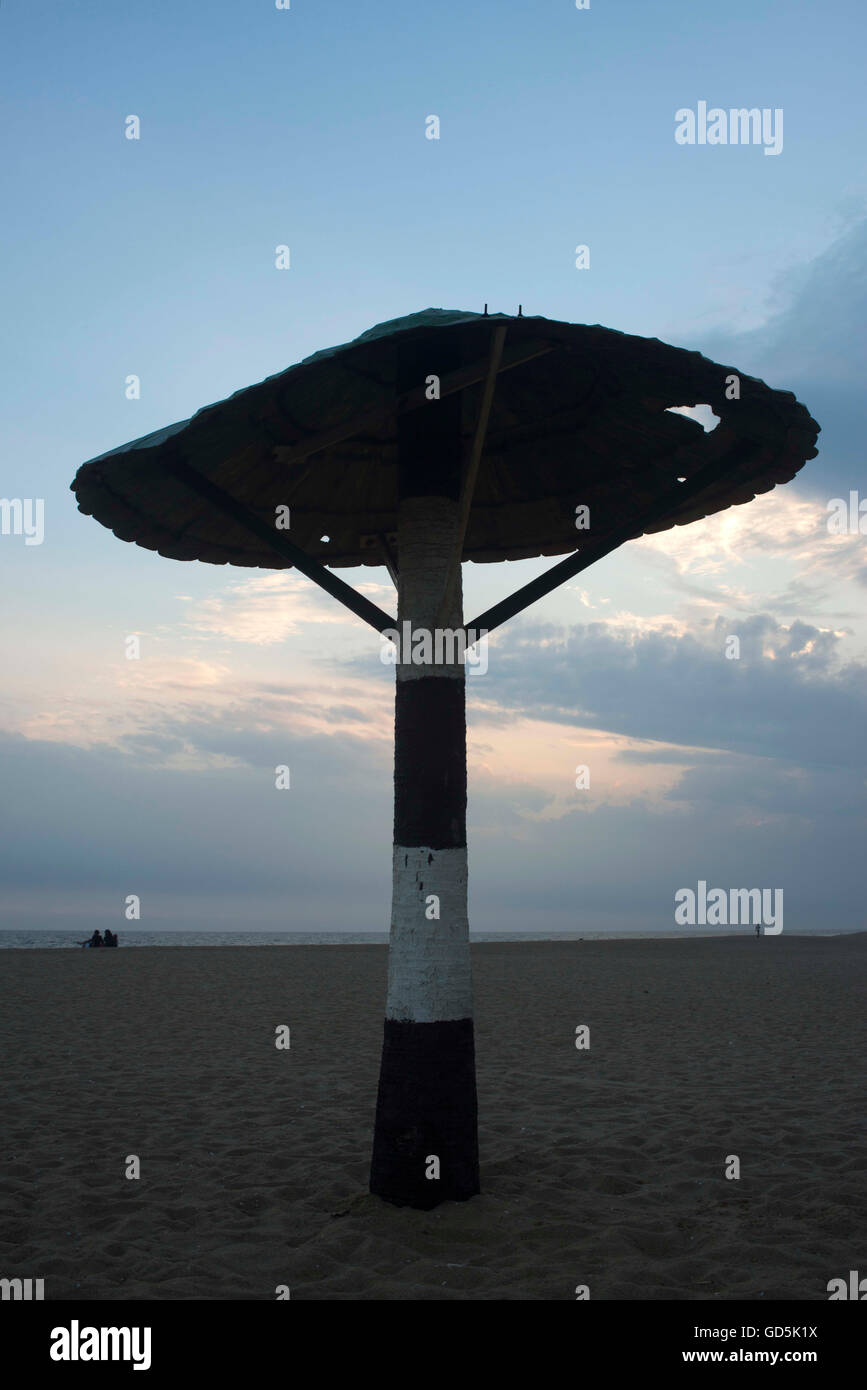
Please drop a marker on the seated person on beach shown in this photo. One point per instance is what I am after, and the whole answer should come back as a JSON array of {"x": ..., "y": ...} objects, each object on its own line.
[
  {"x": 110, "y": 938},
  {"x": 95, "y": 940}
]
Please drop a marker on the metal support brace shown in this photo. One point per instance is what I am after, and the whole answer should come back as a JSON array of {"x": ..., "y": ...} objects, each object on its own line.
[
  {"x": 280, "y": 543},
  {"x": 596, "y": 550}
]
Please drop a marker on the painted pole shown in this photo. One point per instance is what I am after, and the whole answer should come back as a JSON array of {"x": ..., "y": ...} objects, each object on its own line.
[{"x": 425, "y": 1148}]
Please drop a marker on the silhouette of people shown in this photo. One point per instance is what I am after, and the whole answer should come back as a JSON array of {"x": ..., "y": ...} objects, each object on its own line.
[
  {"x": 95, "y": 940},
  {"x": 758, "y": 928},
  {"x": 110, "y": 938}
]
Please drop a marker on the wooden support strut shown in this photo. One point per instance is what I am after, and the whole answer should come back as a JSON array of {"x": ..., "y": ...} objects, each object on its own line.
[
  {"x": 280, "y": 543},
  {"x": 468, "y": 483},
  {"x": 294, "y": 454},
  {"x": 389, "y": 559},
  {"x": 595, "y": 550}
]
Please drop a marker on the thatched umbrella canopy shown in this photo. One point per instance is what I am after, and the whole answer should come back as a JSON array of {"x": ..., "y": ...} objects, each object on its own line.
[
  {"x": 581, "y": 418},
  {"x": 432, "y": 439}
]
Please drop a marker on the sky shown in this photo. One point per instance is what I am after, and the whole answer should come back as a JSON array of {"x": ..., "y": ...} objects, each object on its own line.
[{"x": 306, "y": 127}]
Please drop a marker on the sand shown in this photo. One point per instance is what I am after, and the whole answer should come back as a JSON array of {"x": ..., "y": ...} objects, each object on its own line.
[{"x": 603, "y": 1167}]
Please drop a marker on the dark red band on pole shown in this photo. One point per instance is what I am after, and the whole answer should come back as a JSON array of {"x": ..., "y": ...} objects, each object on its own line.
[{"x": 430, "y": 762}]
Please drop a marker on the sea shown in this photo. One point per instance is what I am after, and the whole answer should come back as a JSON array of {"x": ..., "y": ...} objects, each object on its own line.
[{"x": 48, "y": 939}]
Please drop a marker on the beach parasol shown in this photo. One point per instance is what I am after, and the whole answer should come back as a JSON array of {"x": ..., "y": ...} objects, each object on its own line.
[{"x": 431, "y": 440}]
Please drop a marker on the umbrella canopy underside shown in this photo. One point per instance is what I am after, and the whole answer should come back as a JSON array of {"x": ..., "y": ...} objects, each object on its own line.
[{"x": 584, "y": 422}]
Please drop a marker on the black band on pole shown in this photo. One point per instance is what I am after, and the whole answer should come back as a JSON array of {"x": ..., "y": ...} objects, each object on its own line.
[
  {"x": 355, "y": 602},
  {"x": 430, "y": 763},
  {"x": 426, "y": 1105}
]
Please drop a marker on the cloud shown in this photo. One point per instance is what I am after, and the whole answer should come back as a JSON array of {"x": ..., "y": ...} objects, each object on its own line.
[
  {"x": 113, "y": 821},
  {"x": 224, "y": 848},
  {"x": 776, "y": 553},
  {"x": 789, "y": 696},
  {"x": 264, "y": 610},
  {"x": 814, "y": 342},
  {"x": 158, "y": 776},
  {"x": 815, "y": 329},
  {"x": 192, "y": 713}
]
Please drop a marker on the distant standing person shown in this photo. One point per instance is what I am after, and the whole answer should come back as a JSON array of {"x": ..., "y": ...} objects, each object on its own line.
[{"x": 758, "y": 928}]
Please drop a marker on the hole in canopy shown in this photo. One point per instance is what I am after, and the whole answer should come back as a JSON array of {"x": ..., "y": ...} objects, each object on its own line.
[
  {"x": 324, "y": 539},
  {"x": 702, "y": 414}
]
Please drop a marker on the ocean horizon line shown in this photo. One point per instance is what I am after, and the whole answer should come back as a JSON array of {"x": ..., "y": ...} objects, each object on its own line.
[{"x": 47, "y": 938}]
